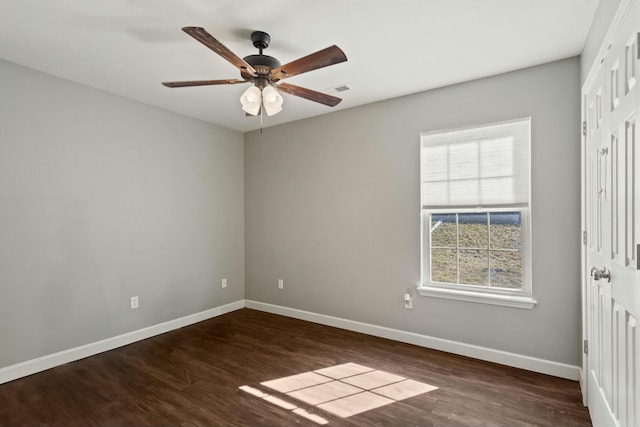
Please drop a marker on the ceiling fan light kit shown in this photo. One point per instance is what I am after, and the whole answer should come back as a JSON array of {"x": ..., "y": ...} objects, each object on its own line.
[
  {"x": 255, "y": 97},
  {"x": 264, "y": 72},
  {"x": 250, "y": 100},
  {"x": 271, "y": 100}
]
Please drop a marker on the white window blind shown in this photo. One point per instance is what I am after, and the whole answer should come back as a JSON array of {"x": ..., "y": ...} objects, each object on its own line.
[{"x": 477, "y": 167}]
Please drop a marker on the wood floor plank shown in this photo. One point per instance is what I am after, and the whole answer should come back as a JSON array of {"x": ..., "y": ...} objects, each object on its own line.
[{"x": 190, "y": 377}]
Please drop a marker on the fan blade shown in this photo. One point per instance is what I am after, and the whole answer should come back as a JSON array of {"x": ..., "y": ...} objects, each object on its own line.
[
  {"x": 203, "y": 83},
  {"x": 322, "y": 58},
  {"x": 212, "y": 43},
  {"x": 309, "y": 94}
]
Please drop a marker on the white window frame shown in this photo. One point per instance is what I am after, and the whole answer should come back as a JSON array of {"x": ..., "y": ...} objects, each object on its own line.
[{"x": 518, "y": 298}]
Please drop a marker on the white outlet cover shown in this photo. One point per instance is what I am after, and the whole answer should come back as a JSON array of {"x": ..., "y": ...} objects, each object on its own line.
[
  {"x": 280, "y": 284},
  {"x": 134, "y": 302},
  {"x": 408, "y": 301},
  {"x": 224, "y": 283}
]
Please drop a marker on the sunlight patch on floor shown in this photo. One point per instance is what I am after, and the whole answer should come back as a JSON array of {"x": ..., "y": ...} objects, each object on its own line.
[{"x": 343, "y": 390}]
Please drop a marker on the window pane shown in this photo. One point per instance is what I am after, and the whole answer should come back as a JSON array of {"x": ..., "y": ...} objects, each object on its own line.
[
  {"x": 496, "y": 157},
  {"x": 434, "y": 163},
  {"x": 463, "y": 192},
  {"x": 463, "y": 161},
  {"x": 443, "y": 230},
  {"x": 506, "y": 269},
  {"x": 443, "y": 265},
  {"x": 473, "y": 267},
  {"x": 435, "y": 193},
  {"x": 473, "y": 231},
  {"x": 506, "y": 230}
]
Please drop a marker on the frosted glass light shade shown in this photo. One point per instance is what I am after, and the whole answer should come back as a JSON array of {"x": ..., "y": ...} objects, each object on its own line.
[
  {"x": 250, "y": 100},
  {"x": 272, "y": 100}
]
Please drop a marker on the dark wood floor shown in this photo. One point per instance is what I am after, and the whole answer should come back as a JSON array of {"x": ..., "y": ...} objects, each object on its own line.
[{"x": 190, "y": 377}]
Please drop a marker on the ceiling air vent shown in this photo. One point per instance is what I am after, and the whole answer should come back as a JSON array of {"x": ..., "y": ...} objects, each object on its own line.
[{"x": 341, "y": 88}]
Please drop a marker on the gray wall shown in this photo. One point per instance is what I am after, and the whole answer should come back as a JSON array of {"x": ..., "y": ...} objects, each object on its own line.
[
  {"x": 102, "y": 198},
  {"x": 601, "y": 21},
  {"x": 332, "y": 207}
]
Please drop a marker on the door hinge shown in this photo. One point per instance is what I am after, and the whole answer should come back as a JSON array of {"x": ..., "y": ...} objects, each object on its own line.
[
  {"x": 585, "y": 347},
  {"x": 584, "y": 237},
  {"x": 584, "y": 128}
]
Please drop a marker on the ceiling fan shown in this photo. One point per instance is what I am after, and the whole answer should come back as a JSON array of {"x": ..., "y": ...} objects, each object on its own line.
[{"x": 265, "y": 73}]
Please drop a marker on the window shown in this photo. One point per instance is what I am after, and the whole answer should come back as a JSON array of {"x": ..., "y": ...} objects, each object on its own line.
[{"x": 475, "y": 214}]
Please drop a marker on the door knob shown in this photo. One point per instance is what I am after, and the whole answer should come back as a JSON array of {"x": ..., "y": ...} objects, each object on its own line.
[{"x": 600, "y": 274}]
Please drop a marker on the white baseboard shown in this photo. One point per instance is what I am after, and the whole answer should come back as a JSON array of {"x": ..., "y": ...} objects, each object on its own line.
[
  {"x": 483, "y": 353},
  {"x": 43, "y": 363},
  {"x": 583, "y": 387},
  {"x": 49, "y": 361}
]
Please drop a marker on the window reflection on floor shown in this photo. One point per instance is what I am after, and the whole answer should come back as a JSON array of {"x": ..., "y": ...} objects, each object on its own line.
[{"x": 343, "y": 390}]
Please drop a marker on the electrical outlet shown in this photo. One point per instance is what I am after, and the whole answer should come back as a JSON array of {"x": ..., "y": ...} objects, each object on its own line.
[
  {"x": 408, "y": 301},
  {"x": 134, "y": 302},
  {"x": 224, "y": 283},
  {"x": 280, "y": 284}
]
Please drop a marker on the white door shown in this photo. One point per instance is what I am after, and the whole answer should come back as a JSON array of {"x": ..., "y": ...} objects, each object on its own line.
[{"x": 612, "y": 211}]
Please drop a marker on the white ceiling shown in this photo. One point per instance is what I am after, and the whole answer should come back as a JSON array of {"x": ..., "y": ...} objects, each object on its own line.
[{"x": 394, "y": 47}]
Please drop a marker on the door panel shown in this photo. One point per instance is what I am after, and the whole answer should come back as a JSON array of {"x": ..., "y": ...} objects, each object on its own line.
[{"x": 611, "y": 196}]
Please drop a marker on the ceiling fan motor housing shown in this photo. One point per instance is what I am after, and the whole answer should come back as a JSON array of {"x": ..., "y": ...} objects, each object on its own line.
[{"x": 263, "y": 64}]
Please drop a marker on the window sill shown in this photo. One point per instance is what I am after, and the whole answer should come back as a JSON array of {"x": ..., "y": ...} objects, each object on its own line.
[{"x": 479, "y": 297}]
